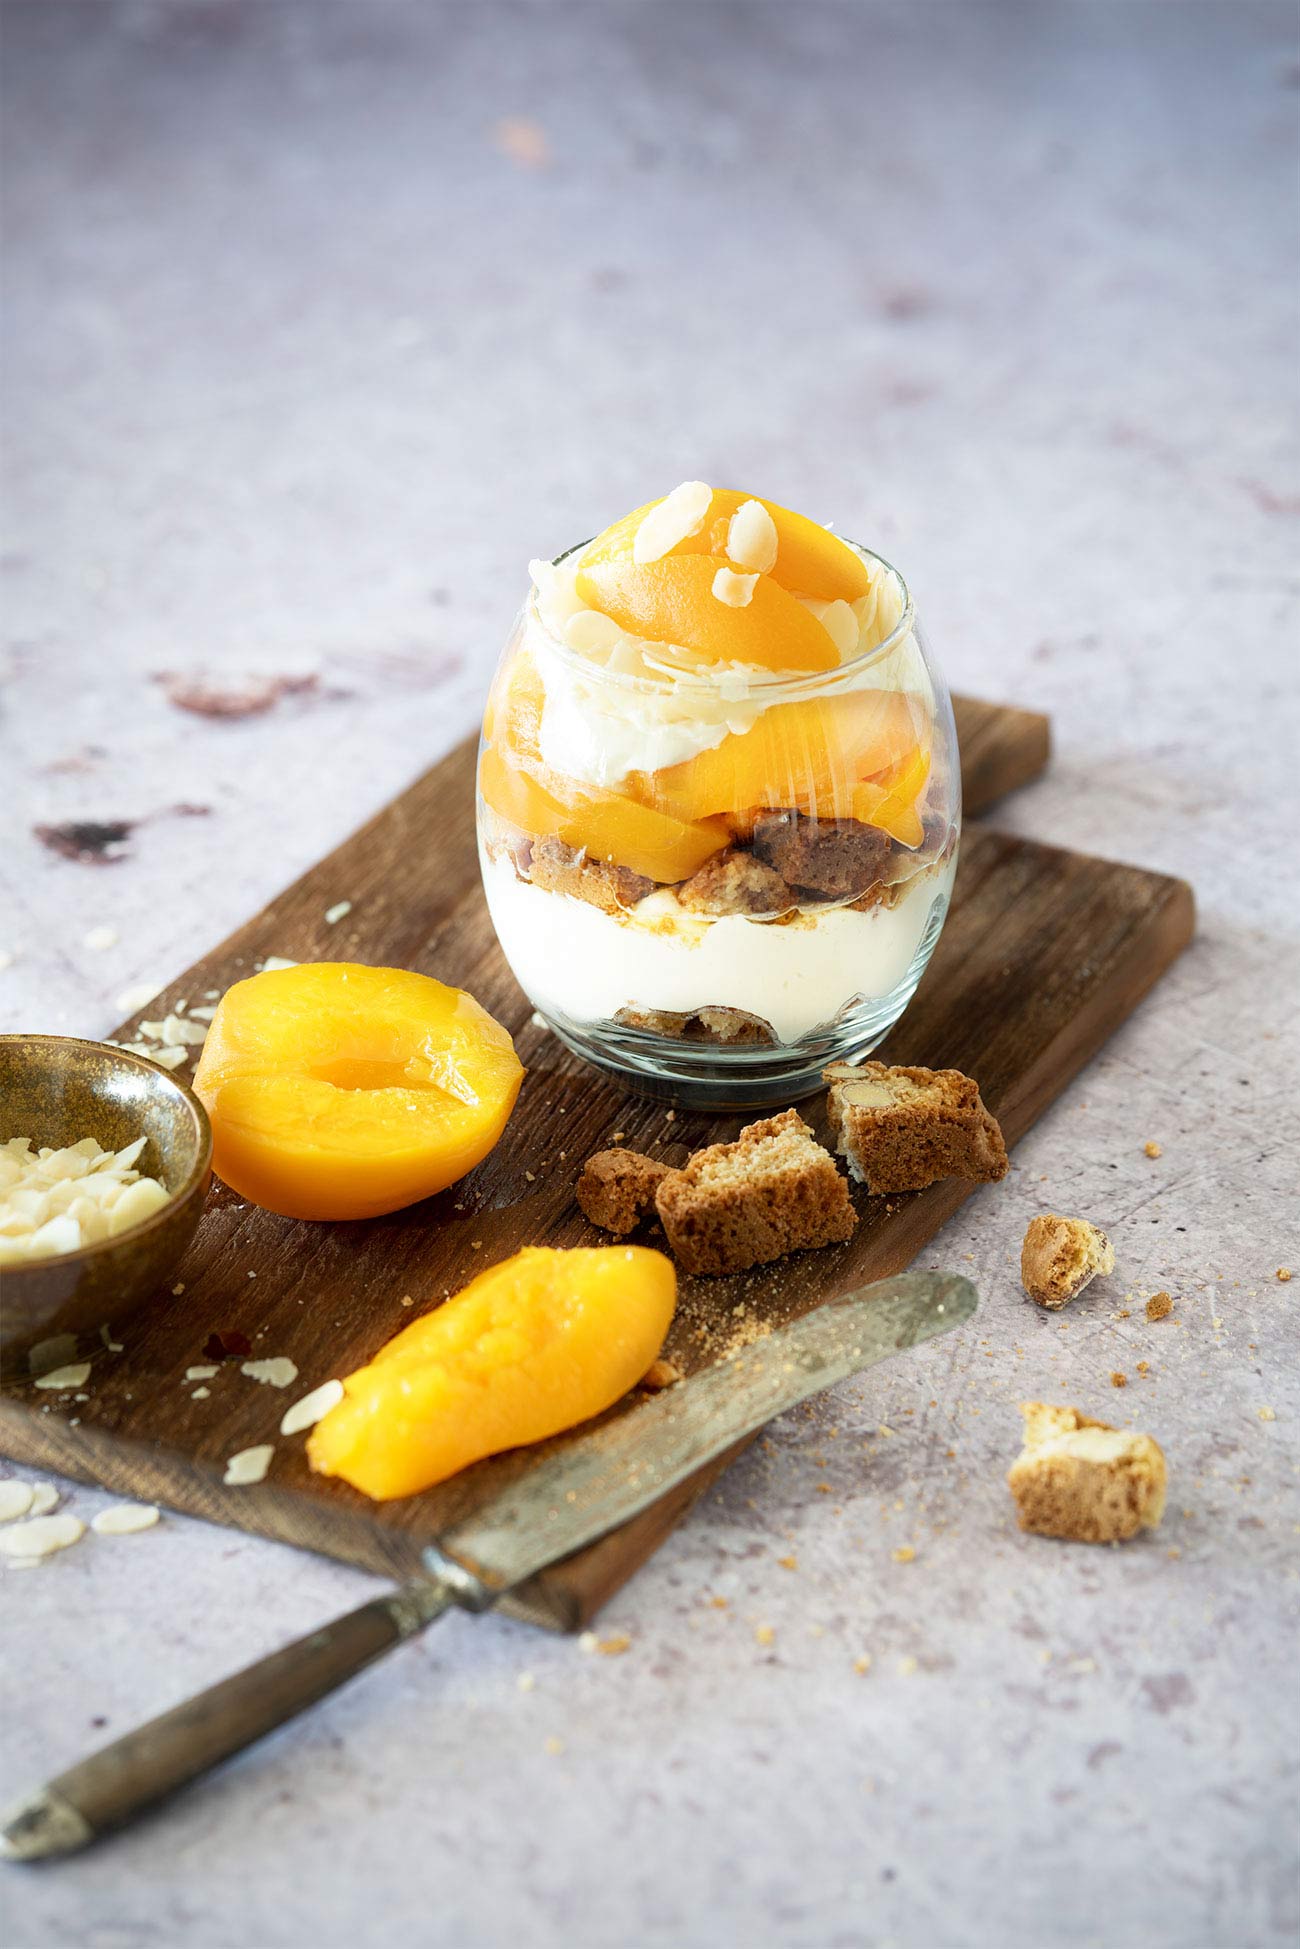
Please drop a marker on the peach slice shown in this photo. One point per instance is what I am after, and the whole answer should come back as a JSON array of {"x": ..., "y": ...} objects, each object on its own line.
[
  {"x": 607, "y": 825},
  {"x": 810, "y": 560},
  {"x": 531, "y": 1347},
  {"x": 892, "y": 801},
  {"x": 810, "y": 754},
  {"x": 341, "y": 1091},
  {"x": 672, "y": 601}
]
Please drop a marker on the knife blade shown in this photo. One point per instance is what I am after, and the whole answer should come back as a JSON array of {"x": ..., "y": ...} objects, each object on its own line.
[{"x": 586, "y": 1486}]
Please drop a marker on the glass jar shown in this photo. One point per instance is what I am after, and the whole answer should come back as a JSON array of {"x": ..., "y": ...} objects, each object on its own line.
[{"x": 712, "y": 880}]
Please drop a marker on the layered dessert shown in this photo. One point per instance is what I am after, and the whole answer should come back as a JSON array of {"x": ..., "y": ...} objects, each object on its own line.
[{"x": 718, "y": 791}]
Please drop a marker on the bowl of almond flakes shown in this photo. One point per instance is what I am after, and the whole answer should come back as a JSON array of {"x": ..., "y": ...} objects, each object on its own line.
[{"x": 105, "y": 1161}]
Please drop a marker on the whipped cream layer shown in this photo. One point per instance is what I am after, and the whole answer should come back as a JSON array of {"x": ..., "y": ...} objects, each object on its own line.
[
  {"x": 577, "y": 962},
  {"x": 616, "y": 704}
]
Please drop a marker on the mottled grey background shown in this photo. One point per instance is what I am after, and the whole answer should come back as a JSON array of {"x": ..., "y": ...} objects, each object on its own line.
[{"x": 322, "y": 317}]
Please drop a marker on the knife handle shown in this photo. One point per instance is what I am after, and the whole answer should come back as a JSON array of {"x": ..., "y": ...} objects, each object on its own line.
[{"x": 115, "y": 1784}]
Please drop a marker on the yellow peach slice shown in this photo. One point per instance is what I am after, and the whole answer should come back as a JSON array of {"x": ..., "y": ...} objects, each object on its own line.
[
  {"x": 607, "y": 825},
  {"x": 672, "y": 601},
  {"x": 892, "y": 801},
  {"x": 531, "y": 1347},
  {"x": 810, "y": 754},
  {"x": 810, "y": 560}
]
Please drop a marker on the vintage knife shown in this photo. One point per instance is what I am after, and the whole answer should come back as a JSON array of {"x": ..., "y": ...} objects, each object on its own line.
[{"x": 576, "y": 1494}]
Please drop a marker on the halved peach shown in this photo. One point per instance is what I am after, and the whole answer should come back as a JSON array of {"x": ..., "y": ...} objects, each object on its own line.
[{"x": 342, "y": 1091}]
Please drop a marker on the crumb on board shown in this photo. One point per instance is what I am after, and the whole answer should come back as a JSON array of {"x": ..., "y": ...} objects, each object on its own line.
[
  {"x": 1284, "y": 1273},
  {"x": 862, "y": 1664},
  {"x": 1266, "y": 1414},
  {"x": 764, "y": 1634},
  {"x": 1119, "y": 1380},
  {"x": 788, "y": 1562},
  {"x": 904, "y": 1554},
  {"x": 1159, "y": 1306},
  {"x": 1153, "y": 1149}
]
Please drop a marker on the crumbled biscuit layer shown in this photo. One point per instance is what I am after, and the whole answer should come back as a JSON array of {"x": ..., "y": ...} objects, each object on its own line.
[
  {"x": 735, "y": 883},
  {"x": 617, "y": 1189},
  {"x": 1083, "y": 1480},
  {"x": 725, "y": 1025},
  {"x": 773, "y": 1191},
  {"x": 1060, "y": 1256},
  {"x": 904, "y": 1128},
  {"x": 558, "y": 868},
  {"x": 837, "y": 858}
]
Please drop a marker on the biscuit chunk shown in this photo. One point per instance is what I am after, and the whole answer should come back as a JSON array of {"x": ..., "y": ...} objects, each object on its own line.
[
  {"x": 902, "y": 1129},
  {"x": 1060, "y": 1256},
  {"x": 735, "y": 883},
  {"x": 565, "y": 869},
  {"x": 617, "y": 1189},
  {"x": 832, "y": 857},
  {"x": 775, "y": 1190},
  {"x": 1082, "y": 1480},
  {"x": 702, "y": 1025}
]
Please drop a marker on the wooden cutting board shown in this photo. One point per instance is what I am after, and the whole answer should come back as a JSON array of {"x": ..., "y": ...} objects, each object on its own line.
[{"x": 1044, "y": 953}]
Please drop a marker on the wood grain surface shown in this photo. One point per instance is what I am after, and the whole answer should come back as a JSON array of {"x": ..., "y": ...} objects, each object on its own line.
[{"x": 1044, "y": 953}]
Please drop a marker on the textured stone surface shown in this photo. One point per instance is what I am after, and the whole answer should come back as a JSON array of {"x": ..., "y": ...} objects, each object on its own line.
[{"x": 308, "y": 354}]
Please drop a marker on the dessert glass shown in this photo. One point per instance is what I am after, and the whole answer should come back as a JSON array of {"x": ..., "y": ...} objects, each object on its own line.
[{"x": 711, "y": 879}]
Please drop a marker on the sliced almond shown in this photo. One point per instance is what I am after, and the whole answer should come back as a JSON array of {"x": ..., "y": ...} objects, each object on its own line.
[
  {"x": 751, "y": 538},
  {"x": 839, "y": 620},
  {"x": 680, "y": 514},
  {"x": 737, "y": 591}
]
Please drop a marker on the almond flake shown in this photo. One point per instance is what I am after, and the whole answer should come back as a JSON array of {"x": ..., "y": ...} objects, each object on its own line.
[
  {"x": 839, "y": 620},
  {"x": 44, "y": 1498},
  {"x": 339, "y": 911},
  {"x": 248, "y": 1466},
  {"x": 42, "y": 1536},
  {"x": 273, "y": 962},
  {"x": 678, "y": 515},
  {"x": 312, "y": 1408},
  {"x": 278, "y": 1372},
  {"x": 100, "y": 939},
  {"x": 752, "y": 538},
  {"x": 72, "y": 1376},
  {"x": 199, "y": 1373},
  {"x": 124, "y": 1519},
  {"x": 737, "y": 591},
  {"x": 590, "y": 632},
  {"x": 15, "y": 1500}
]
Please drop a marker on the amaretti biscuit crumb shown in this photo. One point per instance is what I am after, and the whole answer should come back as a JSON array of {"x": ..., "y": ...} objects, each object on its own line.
[
  {"x": 1083, "y": 1480},
  {"x": 904, "y": 1128},
  {"x": 1060, "y": 1256},
  {"x": 773, "y": 1191},
  {"x": 617, "y": 1189}
]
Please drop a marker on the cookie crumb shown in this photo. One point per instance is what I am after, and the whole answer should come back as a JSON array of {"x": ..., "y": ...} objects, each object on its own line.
[
  {"x": 763, "y": 1634},
  {"x": 1284, "y": 1273},
  {"x": 788, "y": 1562},
  {"x": 659, "y": 1375},
  {"x": 1266, "y": 1414},
  {"x": 1083, "y": 1480},
  {"x": 1060, "y": 1256},
  {"x": 1159, "y": 1306},
  {"x": 615, "y": 1646},
  {"x": 905, "y": 1554},
  {"x": 862, "y": 1664},
  {"x": 1119, "y": 1380},
  {"x": 1153, "y": 1149}
]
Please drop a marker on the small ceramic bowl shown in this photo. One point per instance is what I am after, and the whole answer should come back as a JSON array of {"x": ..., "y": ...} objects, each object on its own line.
[{"x": 57, "y": 1090}]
